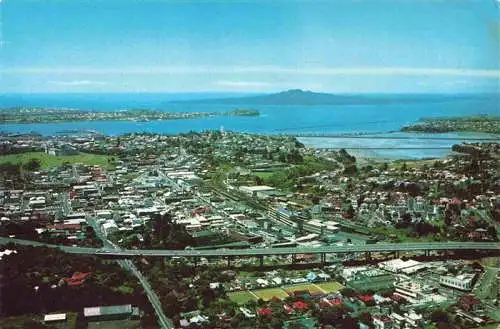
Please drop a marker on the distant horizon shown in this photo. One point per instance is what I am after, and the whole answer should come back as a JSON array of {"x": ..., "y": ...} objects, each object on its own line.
[{"x": 245, "y": 93}]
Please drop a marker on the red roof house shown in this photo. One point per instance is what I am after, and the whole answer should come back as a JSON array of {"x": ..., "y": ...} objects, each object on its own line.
[
  {"x": 265, "y": 311},
  {"x": 325, "y": 302},
  {"x": 76, "y": 279},
  {"x": 366, "y": 298},
  {"x": 300, "y": 305}
]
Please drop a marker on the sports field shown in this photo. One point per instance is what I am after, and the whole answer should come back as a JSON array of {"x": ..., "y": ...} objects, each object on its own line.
[
  {"x": 268, "y": 294},
  {"x": 241, "y": 297},
  {"x": 263, "y": 174},
  {"x": 332, "y": 286},
  {"x": 47, "y": 161},
  {"x": 311, "y": 287}
]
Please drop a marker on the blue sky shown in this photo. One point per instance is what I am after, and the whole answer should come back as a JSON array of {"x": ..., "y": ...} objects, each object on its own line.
[{"x": 339, "y": 46}]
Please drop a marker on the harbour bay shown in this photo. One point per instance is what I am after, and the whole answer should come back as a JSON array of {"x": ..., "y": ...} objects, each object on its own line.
[{"x": 380, "y": 118}]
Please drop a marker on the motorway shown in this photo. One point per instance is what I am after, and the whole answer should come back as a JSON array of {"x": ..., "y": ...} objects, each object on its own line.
[
  {"x": 128, "y": 265},
  {"x": 386, "y": 247},
  {"x": 164, "y": 322}
]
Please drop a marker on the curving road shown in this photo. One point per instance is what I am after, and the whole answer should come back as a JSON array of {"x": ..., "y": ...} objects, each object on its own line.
[
  {"x": 163, "y": 321},
  {"x": 387, "y": 247}
]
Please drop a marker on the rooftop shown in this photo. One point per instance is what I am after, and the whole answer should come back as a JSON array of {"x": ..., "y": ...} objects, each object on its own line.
[{"x": 107, "y": 310}]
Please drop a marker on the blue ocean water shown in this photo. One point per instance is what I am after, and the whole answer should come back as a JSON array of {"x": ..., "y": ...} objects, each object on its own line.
[{"x": 367, "y": 118}]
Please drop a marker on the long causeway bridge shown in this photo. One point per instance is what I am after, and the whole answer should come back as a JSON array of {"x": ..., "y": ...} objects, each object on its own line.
[
  {"x": 337, "y": 136},
  {"x": 256, "y": 252}
]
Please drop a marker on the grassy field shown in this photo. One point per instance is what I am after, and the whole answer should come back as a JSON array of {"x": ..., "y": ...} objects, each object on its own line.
[
  {"x": 48, "y": 161},
  {"x": 332, "y": 286},
  {"x": 263, "y": 174},
  {"x": 241, "y": 297},
  {"x": 268, "y": 294},
  {"x": 313, "y": 289}
]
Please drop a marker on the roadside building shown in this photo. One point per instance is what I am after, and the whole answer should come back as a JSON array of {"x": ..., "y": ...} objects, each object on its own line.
[
  {"x": 409, "y": 290},
  {"x": 256, "y": 191},
  {"x": 7, "y": 252},
  {"x": 410, "y": 320},
  {"x": 52, "y": 319},
  {"x": 416, "y": 293},
  {"x": 463, "y": 282},
  {"x": 247, "y": 313},
  {"x": 109, "y": 227},
  {"x": 400, "y": 266},
  {"x": 109, "y": 313},
  {"x": 374, "y": 279}
]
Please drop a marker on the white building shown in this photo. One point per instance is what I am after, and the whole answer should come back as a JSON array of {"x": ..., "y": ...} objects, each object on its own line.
[
  {"x": 409, "y": 290},
  {"x": 350, "y": 272},
  {"x": 417, "y": 293},
  {"x": 7, "y": 252},
  {"x": 254, "y": 190},
  {"x": 401, "y": 266},
  {"x": 51, "y": 318},
  {"x": 36, "y": 202},
  {"x": 247, "y": 312},
  {"x": 262, "y": 282},
  {"x": 461, "y": 282},
  {"x": 409, "y": 320},
  {"x": 109, "y": 227}
]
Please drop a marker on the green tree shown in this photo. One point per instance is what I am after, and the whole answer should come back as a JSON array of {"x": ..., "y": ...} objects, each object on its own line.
[
  {"x": 439, "y": 316},
  {"x": 32, "y": 165}
]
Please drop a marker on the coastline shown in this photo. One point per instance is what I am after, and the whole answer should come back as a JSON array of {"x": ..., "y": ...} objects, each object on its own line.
[
  {"x": 52, "y": 115},
  {"x": 478, "y": 123}
]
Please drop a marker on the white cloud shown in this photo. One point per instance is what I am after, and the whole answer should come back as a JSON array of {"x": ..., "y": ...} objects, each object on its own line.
[
  {"x": 77, "y": 83},
  {"x": 318, "y": 71}
]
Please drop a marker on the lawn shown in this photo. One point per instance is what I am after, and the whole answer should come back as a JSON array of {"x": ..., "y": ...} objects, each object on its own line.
[
  {"x": 263, "y": 174},
  {"x": 241, "y": 297},
  {"x": 53, "y": 160},
  {"x": 313, "y": 289},
  {"x": 332, "y": 286},
  {"x": 268, "y": 294}
]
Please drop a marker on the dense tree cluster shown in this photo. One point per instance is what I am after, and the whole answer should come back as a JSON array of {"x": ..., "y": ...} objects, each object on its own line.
[
  {"x": 27, "y": 230},
  {"x": 183, "y": 288},
  {"x": 33, "y": 281},
  {"x": 10, "y": 175}
]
